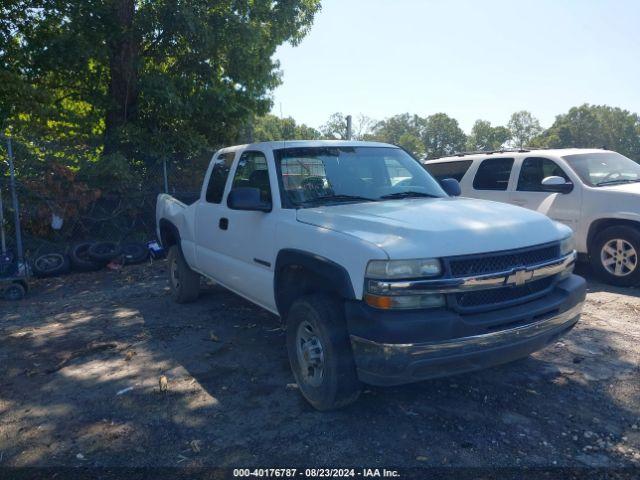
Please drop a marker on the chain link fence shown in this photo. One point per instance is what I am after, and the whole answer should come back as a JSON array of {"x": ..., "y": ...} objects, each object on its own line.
[{"x": 58, "y": 206}]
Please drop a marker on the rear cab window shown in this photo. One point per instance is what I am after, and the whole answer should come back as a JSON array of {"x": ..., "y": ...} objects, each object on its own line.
[
  {"x": 443, "y": 170},
  {"x": 493, "y": 174},
  {"x": 218, "y": 179},
  {"x": 536, "y": 169}
]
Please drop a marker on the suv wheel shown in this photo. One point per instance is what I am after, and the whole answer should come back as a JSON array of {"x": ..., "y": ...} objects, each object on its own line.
[
  {"x": 614, "y": 256},
  {"x": 320, "y": 352},
  {"x": 184, "y": 282}
]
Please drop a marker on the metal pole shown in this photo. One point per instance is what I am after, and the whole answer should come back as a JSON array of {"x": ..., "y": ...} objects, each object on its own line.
[
  {"x": 2, "y": 238},
  {"x": 16, "y": 207},
  {"x": 166, "y": 178},
  {"x": 348, "y": 127}
]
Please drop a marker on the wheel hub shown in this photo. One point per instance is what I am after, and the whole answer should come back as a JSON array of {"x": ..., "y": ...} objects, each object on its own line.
[
  {"x": 310, "y": 354},
  {"x": 619, "y": 257}
]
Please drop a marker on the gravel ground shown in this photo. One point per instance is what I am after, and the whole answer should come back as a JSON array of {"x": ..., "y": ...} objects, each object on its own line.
[{"x": 82, "y": 359}]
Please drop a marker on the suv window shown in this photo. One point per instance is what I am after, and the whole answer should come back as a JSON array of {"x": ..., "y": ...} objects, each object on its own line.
[
  {"x": 536, "y": 169},
  {"x": 493, "y": 174},
  {"x": 218, "y": 179},
  {"x": 252, "y": 172},
  {"x": 449, "y": 169}
]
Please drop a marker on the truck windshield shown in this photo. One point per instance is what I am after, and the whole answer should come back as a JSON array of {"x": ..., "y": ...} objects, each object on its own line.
[
  {"x": 329, "y": 175},
  {"x": 606, "y": 168}
]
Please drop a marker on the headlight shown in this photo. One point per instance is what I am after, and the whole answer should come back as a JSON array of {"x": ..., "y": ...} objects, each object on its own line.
[
  {"x": 567, "y": 245},
  {"x": 419, "y": 268}
]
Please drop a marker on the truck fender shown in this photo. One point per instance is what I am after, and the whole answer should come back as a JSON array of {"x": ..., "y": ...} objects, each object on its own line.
[{"x": 327, "y": 275}]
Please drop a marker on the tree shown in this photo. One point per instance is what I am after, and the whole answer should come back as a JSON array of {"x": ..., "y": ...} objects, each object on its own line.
[
  {"x": 142, "y": 79},
  {"x": 404, "y": 130},
  {"x": 523, "y": 128},
  {"x": 442, "y": 136},
  {"x": 269, "y": 127},
  {"x": 485, "y": 137},
  {"x": 595, "y": 126}
]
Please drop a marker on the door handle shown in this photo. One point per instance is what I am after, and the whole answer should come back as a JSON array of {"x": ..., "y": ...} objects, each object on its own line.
[
  {"x": 518, "y": 201},
  {"x": 223, "y": 223}
]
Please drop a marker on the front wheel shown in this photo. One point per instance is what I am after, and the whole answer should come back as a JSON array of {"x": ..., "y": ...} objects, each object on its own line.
[
  {"x": 320, "y": 352},
  {"x": 614, "y": 256},
  {"x": 184, "y": 282}
]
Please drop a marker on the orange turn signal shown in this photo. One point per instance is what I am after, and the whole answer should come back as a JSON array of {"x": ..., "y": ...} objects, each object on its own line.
[{"x": 378, "y": 301}]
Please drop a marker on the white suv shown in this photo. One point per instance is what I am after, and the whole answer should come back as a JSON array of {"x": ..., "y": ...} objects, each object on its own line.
[{"x": 596, "y": 192}]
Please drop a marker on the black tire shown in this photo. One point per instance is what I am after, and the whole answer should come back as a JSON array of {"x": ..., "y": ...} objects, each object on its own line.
[
  {"x": 619, "y": 264},
  {"x": 14, "y": 292},
  {"x": 184, "y": 282},
  {"x": 134, "y": 253},
  {"x": 51, "y": 265},
  {"x": 337, "y": 385},
  {"x": 104, "y": 251},
  {"x": 80, "y": 259}
]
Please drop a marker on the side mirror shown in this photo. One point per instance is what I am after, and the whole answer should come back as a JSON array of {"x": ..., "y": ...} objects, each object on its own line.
[
  {"x": 556, "y": 184},
  {"x": 247, "y": 198},
  {"x": 451, "y": 186}
]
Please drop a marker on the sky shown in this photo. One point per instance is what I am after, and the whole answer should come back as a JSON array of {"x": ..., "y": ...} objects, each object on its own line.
[{"x": 470, "y": 59}]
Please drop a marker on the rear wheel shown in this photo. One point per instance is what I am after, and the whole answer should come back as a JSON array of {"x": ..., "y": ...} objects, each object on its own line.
[
  {"x": 184, "y": 282},
  {"x": 320, "y": 352},
  {"x": 614, "y": 255}
]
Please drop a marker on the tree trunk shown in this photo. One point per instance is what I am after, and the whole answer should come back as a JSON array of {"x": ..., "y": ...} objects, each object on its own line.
[{"x": 123, "y": 68}]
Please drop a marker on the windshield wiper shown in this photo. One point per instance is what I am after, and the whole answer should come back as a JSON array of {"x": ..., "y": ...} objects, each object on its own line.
[
  {"x": 339, "y": 198},
  {"x": 408, "y": 194},
  {"x": 613, "y": 182}
]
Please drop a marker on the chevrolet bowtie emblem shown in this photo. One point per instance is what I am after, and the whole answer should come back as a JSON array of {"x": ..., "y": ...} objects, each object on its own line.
[{"x": 519, "y": 277}]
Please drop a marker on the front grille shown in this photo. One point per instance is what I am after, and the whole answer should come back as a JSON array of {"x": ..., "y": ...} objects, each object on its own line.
[
  {"x": 502, "y": 261},
  {"x": 502, "y": 296}
]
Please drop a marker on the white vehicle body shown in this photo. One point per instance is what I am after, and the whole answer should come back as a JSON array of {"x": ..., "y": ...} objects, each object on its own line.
[
  {"x": 587, "y": 208},
  {"x": 245, "y": 250}
]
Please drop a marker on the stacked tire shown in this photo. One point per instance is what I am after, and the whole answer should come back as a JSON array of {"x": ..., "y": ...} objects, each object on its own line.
[{"x": 89, "y": 257}]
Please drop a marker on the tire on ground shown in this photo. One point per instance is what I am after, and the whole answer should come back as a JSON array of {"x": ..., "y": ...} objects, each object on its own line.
[
  {"x": 184, "y": 282},
  {"x": 339, "y": 385},
  {"x": 104, "y": 251},
  {"x": 80, "y": 259},
  {"x": 14, "y": 291},
  {"x": 51, "y": 265},
  {"x": 628, "y": 264},
  {"x": 134, "y": 253}
]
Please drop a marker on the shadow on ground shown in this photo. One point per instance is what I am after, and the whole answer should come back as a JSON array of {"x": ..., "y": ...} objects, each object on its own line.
[{"x": 83, "y": 356}]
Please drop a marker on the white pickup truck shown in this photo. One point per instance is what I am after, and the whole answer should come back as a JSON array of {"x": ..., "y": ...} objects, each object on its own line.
[{"x": 380, "y": 274}]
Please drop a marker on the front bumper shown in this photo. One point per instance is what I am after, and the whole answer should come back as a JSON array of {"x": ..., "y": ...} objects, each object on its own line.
[{"x": 396, "y": 348}]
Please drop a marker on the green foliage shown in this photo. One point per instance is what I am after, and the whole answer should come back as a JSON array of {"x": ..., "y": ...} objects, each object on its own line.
[
  {"x": 595, "y": 126},
  {"x": 269, "y": 127},
  {"x": 435, "y": 136},
  {"x": 523, "y": 127},
  {"x": 442, "y": 136},
  {"x": 141, "y": 79},
  {"x": 485, "y": 137}
]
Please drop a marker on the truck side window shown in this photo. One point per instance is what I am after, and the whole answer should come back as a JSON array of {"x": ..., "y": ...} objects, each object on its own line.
[
  {"x": 449, "y": 169},
  {"x": 536, "y": 169},
  {"x": 493, "y": 174},
  {"x": 219, "y": 173},
  {"x": 252, "y": 172}
]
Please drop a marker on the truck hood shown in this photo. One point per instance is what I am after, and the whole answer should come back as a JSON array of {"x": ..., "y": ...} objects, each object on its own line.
[{"x": 438, "y": 227}]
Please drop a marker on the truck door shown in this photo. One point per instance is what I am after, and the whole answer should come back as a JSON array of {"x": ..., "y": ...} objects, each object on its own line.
[
  {"x": 245, "y": 238},
  {"x": 208, "y": 215},
  {"x": 528, "y": 191}
]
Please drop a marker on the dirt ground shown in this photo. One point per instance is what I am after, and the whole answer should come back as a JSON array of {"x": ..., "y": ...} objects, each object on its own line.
[{"x": 81, "y": 360}]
